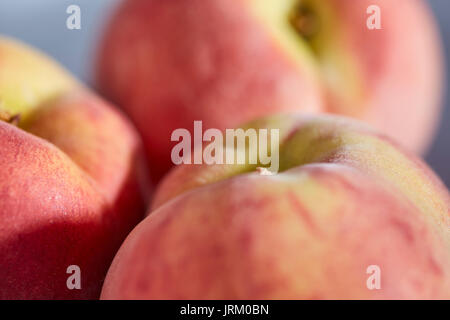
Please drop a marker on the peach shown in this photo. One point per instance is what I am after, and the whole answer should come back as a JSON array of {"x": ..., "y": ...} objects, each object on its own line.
[
  {"x": 347, "y": 200},
  {"x": 72, "y": 179},
  {"x": 168, "y": 63}
]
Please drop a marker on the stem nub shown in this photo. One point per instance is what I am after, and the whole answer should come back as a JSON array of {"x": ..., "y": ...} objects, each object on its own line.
[
  {"x": 11, "y": 119},
  {"x": 305, "y": 21}
]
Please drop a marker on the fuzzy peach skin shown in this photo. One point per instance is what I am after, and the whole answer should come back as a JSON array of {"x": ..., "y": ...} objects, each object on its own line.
[
  {"x": 346, "y": 198},
  {"x": 168, "y": 63},
  {"x": 72, "y": 179}
]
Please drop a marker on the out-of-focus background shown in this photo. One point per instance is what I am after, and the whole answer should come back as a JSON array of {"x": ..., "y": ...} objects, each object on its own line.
[{"x": 42, "y": 23}]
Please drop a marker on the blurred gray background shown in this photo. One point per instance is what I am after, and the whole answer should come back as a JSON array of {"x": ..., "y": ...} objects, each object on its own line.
[{"x": 42, "y": 23}]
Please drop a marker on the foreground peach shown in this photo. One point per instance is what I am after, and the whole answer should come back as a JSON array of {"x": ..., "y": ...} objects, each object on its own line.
[
  {"x": 346, "y": 199},
  {"x": 72, "y": 179},
  {"x": 168, "y": 63}
]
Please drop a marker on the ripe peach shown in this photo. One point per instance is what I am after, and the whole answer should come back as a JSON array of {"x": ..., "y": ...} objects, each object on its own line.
[
  {"x": 346, "y": 199},
  {"x": 72, "y": 179},
  {"x": 168, "y": 63}
]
